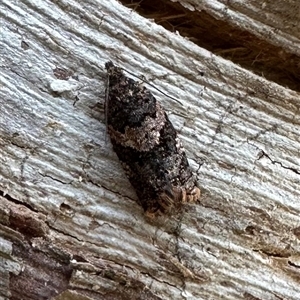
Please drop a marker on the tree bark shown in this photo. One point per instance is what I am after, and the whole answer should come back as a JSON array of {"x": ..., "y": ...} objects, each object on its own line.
[{"x": 70, "y": 226}]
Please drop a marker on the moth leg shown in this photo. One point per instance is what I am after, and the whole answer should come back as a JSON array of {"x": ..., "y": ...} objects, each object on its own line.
[{"x": 193, "y": 195}]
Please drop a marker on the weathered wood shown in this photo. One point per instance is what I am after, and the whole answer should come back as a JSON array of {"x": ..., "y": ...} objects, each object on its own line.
[
  {"x": 271, "y": 21},
  {"x": 69, "y": 223}
]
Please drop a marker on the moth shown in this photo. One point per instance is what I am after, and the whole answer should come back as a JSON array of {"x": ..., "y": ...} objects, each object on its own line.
[{"x": 147, "y": 146}]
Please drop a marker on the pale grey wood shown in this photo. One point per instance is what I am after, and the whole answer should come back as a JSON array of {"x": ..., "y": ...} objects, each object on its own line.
[{"x": 60, "y": 177}]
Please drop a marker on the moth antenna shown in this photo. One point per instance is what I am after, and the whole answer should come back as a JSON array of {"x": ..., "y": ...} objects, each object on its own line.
[{"x": 144, "y": 80}]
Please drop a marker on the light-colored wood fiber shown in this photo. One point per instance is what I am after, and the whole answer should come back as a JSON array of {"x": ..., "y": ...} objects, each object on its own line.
[{"x": 70, "y": 227}]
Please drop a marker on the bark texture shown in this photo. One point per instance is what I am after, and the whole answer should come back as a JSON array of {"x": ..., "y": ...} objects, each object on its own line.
[{"x": 70, "y": 227}]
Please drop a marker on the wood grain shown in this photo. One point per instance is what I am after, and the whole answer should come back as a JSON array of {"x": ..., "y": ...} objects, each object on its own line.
[{"x": 68, "y": 218}]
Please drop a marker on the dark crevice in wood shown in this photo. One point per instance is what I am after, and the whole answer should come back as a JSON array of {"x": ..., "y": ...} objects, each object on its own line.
[
  {"x": 274, "y": 162},
  {"x": 221, "y": 38},
  {"x": 44, "y": 274},
  {"x": 293, "y": 264},
  {"x": 9, "y": 198},
  {"x": 273, "y": 253}
]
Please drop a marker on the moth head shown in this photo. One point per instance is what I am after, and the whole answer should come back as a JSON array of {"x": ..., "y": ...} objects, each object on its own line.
[{"x": 112, "y": 70}]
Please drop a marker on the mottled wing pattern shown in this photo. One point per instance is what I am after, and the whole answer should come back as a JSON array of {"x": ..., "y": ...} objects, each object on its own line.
[{"x": 147, "y": 146}]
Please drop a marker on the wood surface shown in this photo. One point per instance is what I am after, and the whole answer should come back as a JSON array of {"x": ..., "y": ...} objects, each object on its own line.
[{"x": 70, "y": 227}]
